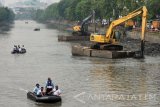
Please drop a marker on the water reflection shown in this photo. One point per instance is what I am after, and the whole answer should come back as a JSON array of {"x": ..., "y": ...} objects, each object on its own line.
[
  {"x": 49, "y": 105},
  {"x": 125, "y": 77},
  {"x": 6, "y": 27}
]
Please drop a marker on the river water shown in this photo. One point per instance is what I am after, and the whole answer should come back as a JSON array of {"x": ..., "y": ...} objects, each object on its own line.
[{"x": 87, "y": 82}]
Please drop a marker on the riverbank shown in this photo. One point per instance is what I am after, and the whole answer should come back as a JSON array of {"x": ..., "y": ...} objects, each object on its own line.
[
  {"x": 60, "y": 25},
  {"x": 150, "y": 36},
  {"x": 152, "y": 41},
  {"x": 151, "y": 49},
  {"x": 65, "y": 25}
]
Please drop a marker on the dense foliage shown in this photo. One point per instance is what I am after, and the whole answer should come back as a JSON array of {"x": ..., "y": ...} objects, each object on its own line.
[
  {"x": 79, "y": 9},
  {"x": 6, "y": 14}
]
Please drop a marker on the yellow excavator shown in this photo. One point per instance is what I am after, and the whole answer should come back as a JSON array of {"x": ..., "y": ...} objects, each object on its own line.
[
  {"x": 82, "y": 28},
  {"x": 110, "y": 40}
]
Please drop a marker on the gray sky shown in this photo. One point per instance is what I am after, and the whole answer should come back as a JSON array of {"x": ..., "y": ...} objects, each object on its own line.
[{"x": 13, "y": 1}]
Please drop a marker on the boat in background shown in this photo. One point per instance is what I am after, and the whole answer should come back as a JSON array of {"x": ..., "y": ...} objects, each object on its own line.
[{"x": 37, "y": 29}]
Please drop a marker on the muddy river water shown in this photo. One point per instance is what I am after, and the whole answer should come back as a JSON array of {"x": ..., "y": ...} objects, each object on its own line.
[{"x": 87, "y": 82}]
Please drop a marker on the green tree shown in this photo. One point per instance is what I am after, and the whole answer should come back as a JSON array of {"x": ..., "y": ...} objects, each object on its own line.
[
  {"x": 79, "y": 9},
  {"x": 51, "y": 12},
  {"x": 83, "y": 9},
  {"x": 6, "y": 14}
]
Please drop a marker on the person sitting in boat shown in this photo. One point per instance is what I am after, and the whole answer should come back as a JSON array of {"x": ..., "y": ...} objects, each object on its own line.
[
  {"x": 41, "y": 92},
  {"x": 57, "y": 91},
  {"x": 19, "y": 48},
  {"x": 22, "y": 48},
  {"x": 14, "y": 48},
  {"x": 35, "y": 90},
  {"x": 49, "y": 86}
]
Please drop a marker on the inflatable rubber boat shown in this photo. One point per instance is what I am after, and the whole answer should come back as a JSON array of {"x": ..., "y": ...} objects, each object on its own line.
[
  {"x": 19, "y": 52},
  {"x": 44, "y": 99},
  {"x": 37, "y": 29}
]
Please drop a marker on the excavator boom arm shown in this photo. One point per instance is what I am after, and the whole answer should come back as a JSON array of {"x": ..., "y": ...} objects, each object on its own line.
[
  {"x": 142, "y": 10},
  {"x": 87, "y": 19}
]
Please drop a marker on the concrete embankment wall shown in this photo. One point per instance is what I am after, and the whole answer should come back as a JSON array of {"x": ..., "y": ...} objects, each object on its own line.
[{"x": 152, "y": 37}]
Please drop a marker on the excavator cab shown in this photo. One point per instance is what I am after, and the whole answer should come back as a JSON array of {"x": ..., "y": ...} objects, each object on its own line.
[
  {"x": 79, "y": 31},
  {"x": 107, "y": 44},
  {"x": 77, "y": 28},
  {"x": 101, "y": 38},
  {"x": 82, "y": 28}
]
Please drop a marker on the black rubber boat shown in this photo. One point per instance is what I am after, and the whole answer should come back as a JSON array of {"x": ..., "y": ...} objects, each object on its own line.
[
  {"x": 37, "y": 29},
  {"x": 44, "y": 99},
  {"x": 17, "y": 52}
]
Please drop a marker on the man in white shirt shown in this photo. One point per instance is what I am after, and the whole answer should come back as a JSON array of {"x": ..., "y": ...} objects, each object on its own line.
[
  {"x": 57, "y": 91},
  {"x": 19, "y": 48}
]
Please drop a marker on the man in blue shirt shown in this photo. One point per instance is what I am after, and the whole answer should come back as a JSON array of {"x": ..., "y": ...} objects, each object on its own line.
[{"x": 49, "y": 86}]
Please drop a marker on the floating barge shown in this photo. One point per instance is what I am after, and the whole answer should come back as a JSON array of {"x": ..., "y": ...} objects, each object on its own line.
[
  {"x": 73, "y": 38},
  {"x": 86, "y": 51}
]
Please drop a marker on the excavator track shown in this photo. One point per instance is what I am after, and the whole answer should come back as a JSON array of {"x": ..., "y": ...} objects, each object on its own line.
[
  {"x": 77, "y": 33},
  {"x": 110, "y": 47}
]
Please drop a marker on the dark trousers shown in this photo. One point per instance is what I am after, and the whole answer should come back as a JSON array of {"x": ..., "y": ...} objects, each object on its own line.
[{"x": 48, "y": 90}]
